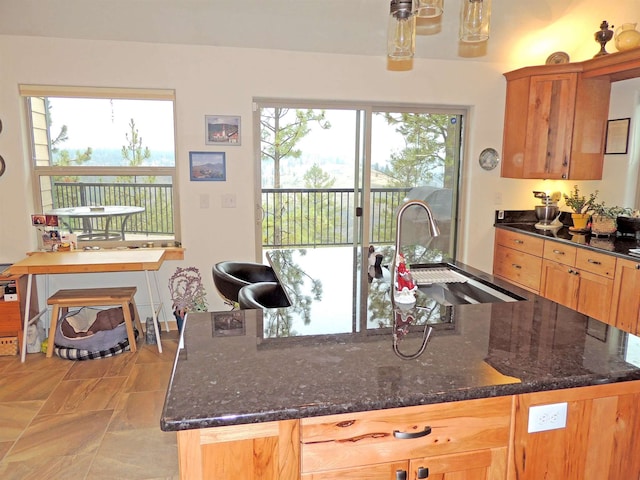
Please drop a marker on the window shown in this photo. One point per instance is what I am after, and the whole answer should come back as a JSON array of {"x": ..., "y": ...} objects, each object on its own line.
[{"x": 104, "y": 162}]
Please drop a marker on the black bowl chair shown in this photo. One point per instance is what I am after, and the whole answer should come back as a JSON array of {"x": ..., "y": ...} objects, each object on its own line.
[
  {"x": 229, "y": 277},
  {"x": 263, "y": 295}
]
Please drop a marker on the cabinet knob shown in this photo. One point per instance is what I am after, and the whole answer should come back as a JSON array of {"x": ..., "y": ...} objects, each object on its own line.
[
  {"x": 423, "y": 472},
  {"x": 637, "y": 266},
  {"x": 401, "y": 475},
  {"x": 564, "y": 176},
  {"x": 408, "y": 435}
]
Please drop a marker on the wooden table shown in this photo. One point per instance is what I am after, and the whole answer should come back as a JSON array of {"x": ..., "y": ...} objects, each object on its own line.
[{"x": 102, "y": 261}]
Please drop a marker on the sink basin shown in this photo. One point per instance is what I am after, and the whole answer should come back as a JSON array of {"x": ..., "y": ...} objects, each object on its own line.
[{"x": 448, "y": 285}]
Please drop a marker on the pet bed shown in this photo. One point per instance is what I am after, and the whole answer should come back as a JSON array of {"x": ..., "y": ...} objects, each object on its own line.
[{"x": 91, "y": 333}]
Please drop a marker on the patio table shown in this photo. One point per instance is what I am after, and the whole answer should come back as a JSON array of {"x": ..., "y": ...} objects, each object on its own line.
[{"x": 89, "y": 213}]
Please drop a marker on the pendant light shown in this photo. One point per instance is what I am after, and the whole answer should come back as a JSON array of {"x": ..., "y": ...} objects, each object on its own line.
[
  {"x": 428, "y": 8},
  {"x": 401, "y": 34},
  {"x": 474, "y": 20}
]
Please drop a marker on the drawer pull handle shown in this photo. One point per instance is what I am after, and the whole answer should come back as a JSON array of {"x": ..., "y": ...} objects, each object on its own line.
[
  {"x": 518, "y": 241},
  {"x": 595, "y": 262},
  {"x": 558, "y": 252},
  {"x": 423, "y": 472},
  {"x": 516, "y": 266},
  {"x": 574, "y": 272},
  {"x": 409, "y": 435},
  {"x": 637, "y": 266},
  {"x": 401, "y": 475}
]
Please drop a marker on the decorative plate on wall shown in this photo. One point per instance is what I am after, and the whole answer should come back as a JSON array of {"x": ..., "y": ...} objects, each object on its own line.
[
  {"x": 2, "y": 165},
  {"x": 489, "y": 158}
]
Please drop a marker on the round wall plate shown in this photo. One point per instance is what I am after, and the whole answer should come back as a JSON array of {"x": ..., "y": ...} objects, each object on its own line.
[
  {"x": 489, "y": 158},
  {"x": 2, "y": 165}
]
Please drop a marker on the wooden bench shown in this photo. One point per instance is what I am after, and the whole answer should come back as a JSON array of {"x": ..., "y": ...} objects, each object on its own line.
[{"x": 94, "y": 297}]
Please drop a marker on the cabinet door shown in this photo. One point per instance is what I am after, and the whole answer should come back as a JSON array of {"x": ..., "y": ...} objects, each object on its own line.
[
  {"x": 599, "y": 441},
  {"x": 383, "y": 471},
  {"x": 625, "y": 306},
  {"x": 550, "y": 117},
  {"x": 268, "y": 451},
  {"x": 560, "y": 283},
  {"x": 489, "y": 464},
  {"x": 594, "y": 295}
]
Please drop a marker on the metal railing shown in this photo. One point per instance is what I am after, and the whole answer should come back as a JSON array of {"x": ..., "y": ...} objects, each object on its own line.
[
  {"x": 309, "y": 217},
  {"x": 296, "y": 217},
  {"x": 156, "y": 198}
]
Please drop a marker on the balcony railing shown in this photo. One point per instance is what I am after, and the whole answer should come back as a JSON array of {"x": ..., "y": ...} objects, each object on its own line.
[
  {"x": 310, "y": 217},
  {"x": 292, "y": 217},
  {"x": 157, "y": 200}
]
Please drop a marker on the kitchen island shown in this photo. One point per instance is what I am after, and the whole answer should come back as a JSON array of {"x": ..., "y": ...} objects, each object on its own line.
[{"x": 250, "y": 399}]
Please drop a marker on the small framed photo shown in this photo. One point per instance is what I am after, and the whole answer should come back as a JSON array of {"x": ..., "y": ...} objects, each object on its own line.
[
  {"x": 617, "y": 140},
  {"x": 222, "y": 130},
  {"x": 207, "y": 166},
  {"x": 38, "y": 220}
]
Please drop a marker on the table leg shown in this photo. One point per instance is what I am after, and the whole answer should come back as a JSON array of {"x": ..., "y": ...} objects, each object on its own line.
[
  {"x": 27, "y": 312},
  {"x": 153, "y": 312},
  {"x": 124, "y": 223},
  {"x": 161, "y": 309}
]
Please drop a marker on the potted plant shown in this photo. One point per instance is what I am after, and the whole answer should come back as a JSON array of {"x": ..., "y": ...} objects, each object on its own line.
[
  {"x": 603, "y": 218},
  {"x": 581, "y": 206},
  {"x": 187, "y": 293}
]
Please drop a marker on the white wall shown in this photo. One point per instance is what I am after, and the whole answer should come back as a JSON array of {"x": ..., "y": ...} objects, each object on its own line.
[{"x": 210, "y": 80}]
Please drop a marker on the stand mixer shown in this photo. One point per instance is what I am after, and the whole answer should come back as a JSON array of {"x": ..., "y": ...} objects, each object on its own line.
[{"x": 548, "y": 212}]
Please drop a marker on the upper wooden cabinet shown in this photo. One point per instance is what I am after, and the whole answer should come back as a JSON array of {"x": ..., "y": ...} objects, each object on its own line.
[{"x": 556, "y": 117}]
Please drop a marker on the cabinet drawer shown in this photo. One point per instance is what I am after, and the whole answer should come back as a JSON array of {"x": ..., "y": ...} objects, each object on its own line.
[
  {"x": 518, "y": 267},
  {"x": 366, "y": 438},
  {"x": 598, "y": 263},
  {"x": 559, "y": 252},
  {"x": 519, "y": 241}
]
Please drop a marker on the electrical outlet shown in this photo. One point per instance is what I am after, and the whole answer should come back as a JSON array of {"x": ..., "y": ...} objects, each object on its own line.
[
  {"x": 229, "y": 200},
  {"x": 500, "y": 214},
  {"x": 547, "y": 417}
]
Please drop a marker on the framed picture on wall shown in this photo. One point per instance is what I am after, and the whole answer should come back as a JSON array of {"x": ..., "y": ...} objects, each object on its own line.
[
  {"x": 222, "y": 130},
  {"x": 207, "y": 166},
  {"x": 617, "y": 140}
]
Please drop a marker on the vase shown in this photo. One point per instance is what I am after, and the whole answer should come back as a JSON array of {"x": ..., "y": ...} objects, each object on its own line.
[
  {"x": 580, "y": 221},
  {"x": 627, "y": 37},
  {"x": 603, "y": 225}
]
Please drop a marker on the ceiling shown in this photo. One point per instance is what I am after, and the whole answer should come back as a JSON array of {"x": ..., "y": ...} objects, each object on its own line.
[{"x": 326, "y": 26}]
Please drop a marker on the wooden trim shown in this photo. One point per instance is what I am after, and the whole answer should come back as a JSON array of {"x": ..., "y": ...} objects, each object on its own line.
[{"x": 96, "y": 92}]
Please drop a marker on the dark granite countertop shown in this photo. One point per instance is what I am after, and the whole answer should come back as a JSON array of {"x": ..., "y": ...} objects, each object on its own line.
[
  {"x": 252, "y": 366},
  {"x": 523, "y": 221}
]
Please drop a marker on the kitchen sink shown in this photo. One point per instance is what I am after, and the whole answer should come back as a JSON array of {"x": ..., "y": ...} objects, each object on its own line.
[{"x": 448, "y": 285}]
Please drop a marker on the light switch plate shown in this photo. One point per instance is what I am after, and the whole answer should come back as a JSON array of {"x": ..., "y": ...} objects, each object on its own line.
[{"x": 547, "y": 417}]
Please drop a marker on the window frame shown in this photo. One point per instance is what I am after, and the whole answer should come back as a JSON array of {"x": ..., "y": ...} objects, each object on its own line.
[{"x": 39, "y": 171}]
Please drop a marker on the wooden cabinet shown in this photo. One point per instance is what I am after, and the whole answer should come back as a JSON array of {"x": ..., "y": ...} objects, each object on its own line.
[
  {"x": 266, "y": 451},
  {"x": 598, "y": 442},
  {"x": 555, "y": 121},
  {"x": 579, "y": 279},
  {"x": 517, "y": 258},
  {"x": 12, "y": 312},
  {"x": 464, "y": 436},
  {"x": 625, "y": 306}
]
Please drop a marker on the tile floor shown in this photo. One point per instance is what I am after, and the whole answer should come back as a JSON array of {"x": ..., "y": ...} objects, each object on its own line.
[{"x": 94, "y": 419}]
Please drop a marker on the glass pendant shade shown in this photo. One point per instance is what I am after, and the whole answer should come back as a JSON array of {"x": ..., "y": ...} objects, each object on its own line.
[
  {"x": 428, "y": 8},
  {"x": 401, "y": 34},
  {"x": 474, "y": 20}
]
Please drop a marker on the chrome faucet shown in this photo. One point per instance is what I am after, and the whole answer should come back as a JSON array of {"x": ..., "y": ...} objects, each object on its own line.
[
  {"x": 398, "y": 313},
  {"x": 433, "y": 228}
]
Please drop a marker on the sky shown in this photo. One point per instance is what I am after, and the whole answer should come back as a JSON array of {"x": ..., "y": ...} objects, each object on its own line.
[{"x": 103, "y": 123}]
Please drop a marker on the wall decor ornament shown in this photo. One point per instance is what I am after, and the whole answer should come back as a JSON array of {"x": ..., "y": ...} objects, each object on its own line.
[
  {"x": 617, "y": 140},
  {"x": 207, "y": 166},
  {"x": 222, "y": 130}
]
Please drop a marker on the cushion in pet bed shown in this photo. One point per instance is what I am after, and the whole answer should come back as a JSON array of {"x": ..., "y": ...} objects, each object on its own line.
[{"x": 76, "y": 354}]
